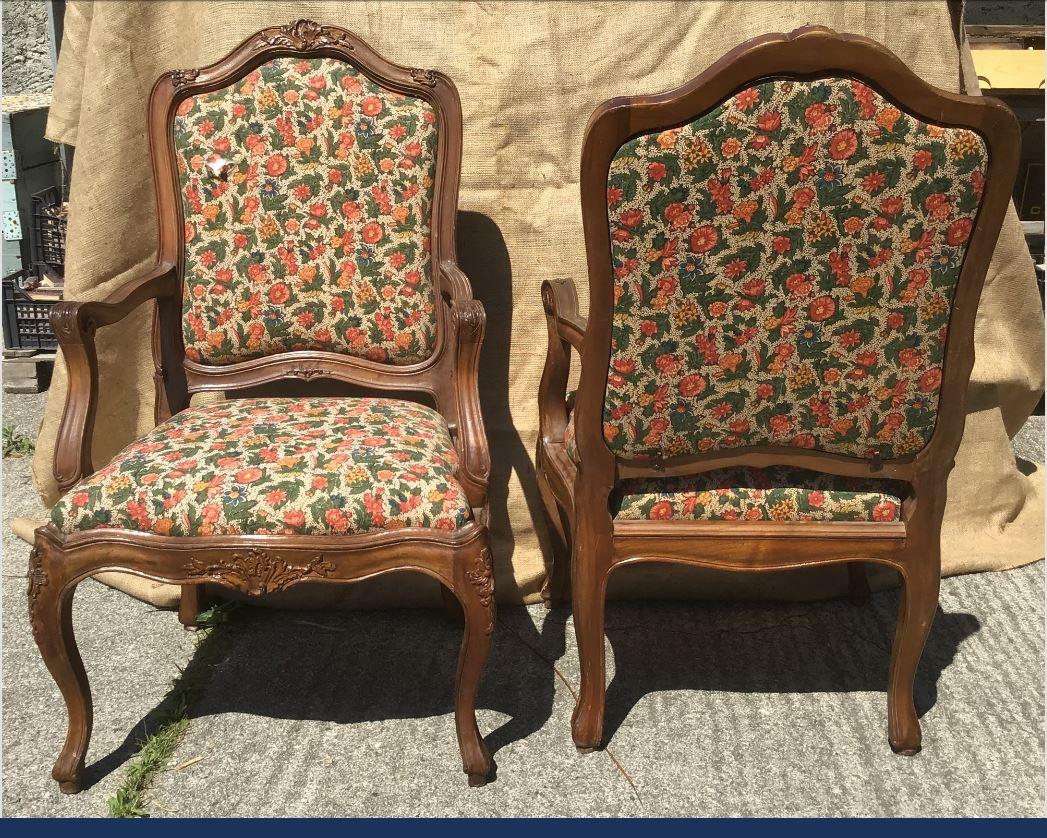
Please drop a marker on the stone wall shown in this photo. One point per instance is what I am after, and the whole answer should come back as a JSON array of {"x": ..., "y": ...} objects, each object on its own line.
[{"x": 27, "y": 50}]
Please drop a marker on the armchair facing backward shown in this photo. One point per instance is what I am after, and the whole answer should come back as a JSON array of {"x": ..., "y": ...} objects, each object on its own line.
[
  {"x": 306, "y": 193},
  {"x": 785, "y": 259}
]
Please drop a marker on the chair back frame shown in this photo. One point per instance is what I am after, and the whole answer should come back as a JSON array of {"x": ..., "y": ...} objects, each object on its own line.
[
  {"x": 304, "y": 39},
  {"x": 448, "y": 377},
  {"x": 809, "y": 53}
]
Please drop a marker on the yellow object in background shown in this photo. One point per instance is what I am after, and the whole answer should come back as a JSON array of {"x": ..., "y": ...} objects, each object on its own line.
[{"x": 1009, "y": 69}]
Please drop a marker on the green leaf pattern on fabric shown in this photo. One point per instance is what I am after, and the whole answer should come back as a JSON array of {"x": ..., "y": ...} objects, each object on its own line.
[
  {"x": 316, "y": 234},
  {"x": 779, "y": 493},
  {"x": 321, "y": 466},
  {"x": 784, "y": 269}
]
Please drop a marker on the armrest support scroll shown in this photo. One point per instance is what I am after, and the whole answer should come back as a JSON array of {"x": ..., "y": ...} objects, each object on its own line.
[
  {"x": 470, "y": 323},
  {"x": 566, "y": 328},
  {"x": 454, "y": 283},
  {"x": 74, "y": 325},
  {"x": 560, "y": 299}
]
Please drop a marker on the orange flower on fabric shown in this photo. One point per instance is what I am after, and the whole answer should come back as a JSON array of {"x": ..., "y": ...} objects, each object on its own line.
[
  {"x": 813, "y": 312},
  {"x": 339, "y": 153}
]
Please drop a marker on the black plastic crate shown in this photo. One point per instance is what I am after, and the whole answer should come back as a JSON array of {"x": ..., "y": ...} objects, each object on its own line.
[
  {"x": 1036, "y": 250},
  {"x": 27, "y": 323},
  {"x": 48, "y": 233}
]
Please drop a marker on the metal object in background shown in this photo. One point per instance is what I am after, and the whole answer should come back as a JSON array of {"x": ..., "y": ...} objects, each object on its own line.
[
  {"x": 26, "y": 321},
  {"x": 32, "y": 188},
  {"x": 12, "y": 226},
  {"x": 33, "y": 224},
  {"x": 48, "y": 238}
]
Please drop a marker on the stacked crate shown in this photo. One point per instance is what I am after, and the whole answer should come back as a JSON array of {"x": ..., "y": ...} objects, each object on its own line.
[{"x": 33, "y": 227}]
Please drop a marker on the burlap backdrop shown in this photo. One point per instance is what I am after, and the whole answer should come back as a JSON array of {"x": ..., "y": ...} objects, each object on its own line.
[{"x": 529, "y": 76}]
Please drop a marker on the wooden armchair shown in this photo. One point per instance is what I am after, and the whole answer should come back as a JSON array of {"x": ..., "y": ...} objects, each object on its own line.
[
  {"x": 785, "y": 259},
  {"x": 307, "y": 193}
]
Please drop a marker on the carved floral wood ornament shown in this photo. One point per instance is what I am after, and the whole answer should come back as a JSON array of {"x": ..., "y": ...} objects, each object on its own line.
[
  {"x": 37, "y": 577},
  {"x": 307, "y": 373},
  {"x": 304, "y": 35},
  {"x": 785, "y": 259},
  {"x": 180, "y": 78},
  {"x": 257, "y": 572},
  {"x": 481, "y": 576},
  {"x": 260, "y": 495},
  {"x": 426, "y": 77}
]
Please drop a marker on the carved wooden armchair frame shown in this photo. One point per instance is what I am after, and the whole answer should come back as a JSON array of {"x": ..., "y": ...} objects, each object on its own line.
[
  {"x": 576, "y": 494},
  {"x": 460, "y": 559}
]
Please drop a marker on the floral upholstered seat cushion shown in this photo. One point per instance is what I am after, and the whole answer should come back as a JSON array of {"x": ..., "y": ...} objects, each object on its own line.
[
  {"x": 778, "y": 493},
  {"x": 286, "y": 466},
  {"x": 315, "y": 234},
  {"x": 784, "y": 269}
]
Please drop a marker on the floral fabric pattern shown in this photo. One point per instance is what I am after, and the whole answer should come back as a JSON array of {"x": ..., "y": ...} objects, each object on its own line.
[
  {"x": 779, "y": 493},
  {"x": 326, "y": 466},
  {"x": 315, "y": 234},
  {"x": 784, "y": 269}
]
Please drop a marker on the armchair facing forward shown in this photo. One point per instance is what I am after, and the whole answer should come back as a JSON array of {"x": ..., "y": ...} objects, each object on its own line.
[
  {"x": 306, "y": 192},
  {"x": 785, "y": 259}
]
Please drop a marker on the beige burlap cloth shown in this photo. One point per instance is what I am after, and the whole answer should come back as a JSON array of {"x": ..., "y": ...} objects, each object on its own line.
[{"x": 529, "y": 76}]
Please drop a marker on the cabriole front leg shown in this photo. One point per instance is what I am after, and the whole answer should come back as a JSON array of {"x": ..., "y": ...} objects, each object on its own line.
[
  {"x": 474, "y": 589},
  {"x": 51, "y": 619},
  {"x": 588, "y": 595}
]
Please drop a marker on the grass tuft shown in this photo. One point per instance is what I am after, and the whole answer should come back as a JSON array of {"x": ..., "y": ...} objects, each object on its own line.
[
  {"x": 156, "y": 748},
  {"x": 17, "y": 444},
  {"x": 155, "y": 753}
]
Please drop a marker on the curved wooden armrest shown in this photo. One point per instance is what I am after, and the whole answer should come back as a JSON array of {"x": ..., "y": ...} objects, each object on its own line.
[
  {"x": 566, "y": 328},
  {"x": 470, "y": 322},
  {"x": 74, "y": 324},
  {"x": 454, "y": 283},
  {"x": 560, "y": 299}
]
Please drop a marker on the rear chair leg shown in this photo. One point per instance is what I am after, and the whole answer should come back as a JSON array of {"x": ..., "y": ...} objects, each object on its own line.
[
  {"x": 474, "y": 588},
  {"x": 51, "y": 619},
  {"x": 919, "y": 602},
  {"x": 557, "y": 590},
  {"x": 858, "y": 584},
  {"x": 190, "y": 606},
  {"x": 588, "y": 595},
  {"x": 452, "y": 608}
]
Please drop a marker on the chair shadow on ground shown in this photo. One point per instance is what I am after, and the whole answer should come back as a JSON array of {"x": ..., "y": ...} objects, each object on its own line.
[
  {"x": 774, "y": 647},
  {"x": 364, "y": 666},
  {"x": 484, "y": 257},
  {"x": 361, "y": 666}
]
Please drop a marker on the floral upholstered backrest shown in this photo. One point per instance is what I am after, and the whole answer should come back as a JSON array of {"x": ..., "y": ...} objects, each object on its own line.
[
  {"x": 784, "y": 269},
  {"x": 307, "y": 191}
]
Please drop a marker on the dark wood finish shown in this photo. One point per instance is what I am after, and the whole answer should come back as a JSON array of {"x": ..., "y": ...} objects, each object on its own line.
[
  {"x": 190, "y": 605},
  {"x": 599, "y": 545},
  {"x": 460, "y": 561}
]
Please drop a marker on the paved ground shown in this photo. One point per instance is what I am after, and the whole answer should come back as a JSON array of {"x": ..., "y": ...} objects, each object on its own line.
[
  {"x": 720, "y": 709},
  {"x": 1028, "y": 444}
]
